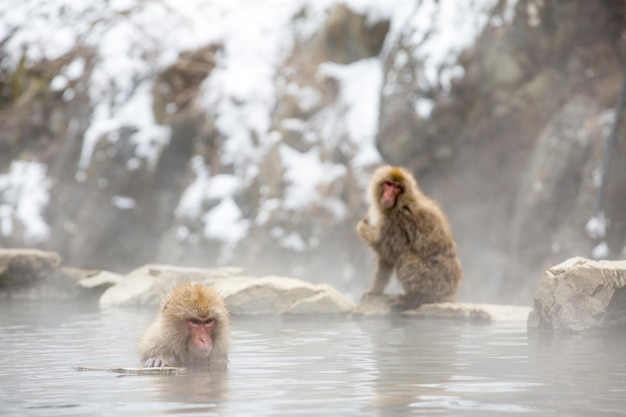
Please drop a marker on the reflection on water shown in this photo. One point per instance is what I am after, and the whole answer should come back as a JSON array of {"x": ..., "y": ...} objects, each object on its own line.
[{"x": 294, "y": 366}]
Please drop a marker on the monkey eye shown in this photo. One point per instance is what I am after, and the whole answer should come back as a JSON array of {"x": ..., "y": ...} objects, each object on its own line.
[
  {"x": 209, "y": 321},
  {"x": 195, "y": 321},
  {"x": 393, "y": 184}
]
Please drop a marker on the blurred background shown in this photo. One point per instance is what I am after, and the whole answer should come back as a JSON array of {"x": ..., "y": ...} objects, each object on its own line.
[{"x": 243, "y": 132}]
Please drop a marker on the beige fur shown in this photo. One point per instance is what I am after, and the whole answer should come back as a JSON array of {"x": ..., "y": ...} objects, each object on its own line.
[
  {"x": 413, "y": 239},
  {"x": 166, "y": 338}
]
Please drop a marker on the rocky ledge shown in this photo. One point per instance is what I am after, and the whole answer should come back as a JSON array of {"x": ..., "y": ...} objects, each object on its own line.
[{"x": 578, "y": 294}]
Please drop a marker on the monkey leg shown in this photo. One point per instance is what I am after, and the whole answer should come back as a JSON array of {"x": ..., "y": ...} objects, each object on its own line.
[{"x": 424, "y": 282}]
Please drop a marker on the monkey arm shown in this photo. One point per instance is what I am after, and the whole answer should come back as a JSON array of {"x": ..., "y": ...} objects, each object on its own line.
[
  {"x": 152, "y": 349},
  {"x": 367, "y": 231}
]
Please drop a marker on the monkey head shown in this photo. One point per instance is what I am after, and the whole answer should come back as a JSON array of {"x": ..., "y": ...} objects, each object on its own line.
[
  {"x": 388, "y": 185},
  {"x": 199, "y": 311},
  {"x": 389, "y": 193}
]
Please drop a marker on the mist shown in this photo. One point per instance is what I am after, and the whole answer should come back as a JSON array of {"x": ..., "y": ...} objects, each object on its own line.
[{"x": 212, "y": 133}]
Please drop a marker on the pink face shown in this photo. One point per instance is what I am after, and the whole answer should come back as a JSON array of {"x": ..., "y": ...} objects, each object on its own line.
[
  {"x": 200, "y": 341},
  {"x": 391, "y": 190}
]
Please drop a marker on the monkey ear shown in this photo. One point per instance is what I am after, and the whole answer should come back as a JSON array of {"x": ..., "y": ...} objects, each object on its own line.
[
  {"x": 165, "y": 303},
  {"x": 165, "y": 300}
]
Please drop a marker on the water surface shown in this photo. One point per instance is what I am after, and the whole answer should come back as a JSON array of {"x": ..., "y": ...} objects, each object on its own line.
[{"x": 308, "y": 367}]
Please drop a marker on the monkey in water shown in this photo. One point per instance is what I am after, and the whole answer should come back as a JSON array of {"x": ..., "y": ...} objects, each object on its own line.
[
  {"x": 191, "y": 329},
  {"x": 411, "y": 236}
]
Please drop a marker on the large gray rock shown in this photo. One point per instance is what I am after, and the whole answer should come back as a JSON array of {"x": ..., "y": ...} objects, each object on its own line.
[
  {"x": 243, "y": 294},
  {"x": 147, "y": 284},
  {"x": 281, "y": 295},
  {"x": 581, "y": 294},
  {"x": 20, "y": 267},
  {"x": 31, "y": 274}
]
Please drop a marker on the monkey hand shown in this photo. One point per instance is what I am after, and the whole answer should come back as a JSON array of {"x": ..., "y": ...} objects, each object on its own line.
[
  {"x": 155, "y": 363},
  {"x": 369, "y": 293}
]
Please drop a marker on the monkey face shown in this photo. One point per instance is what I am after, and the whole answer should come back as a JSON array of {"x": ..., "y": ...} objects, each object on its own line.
[
  {"x": 200, "y": 341},
  {"x": 389, "y": 193}
]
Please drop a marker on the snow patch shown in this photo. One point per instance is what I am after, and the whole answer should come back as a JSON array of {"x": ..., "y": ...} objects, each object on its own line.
[
  {"x": 225, "y": 223},
  {"x": 305, "y": 173},
  {"x": 24, "y": 193},
  {"x": 600, "y": 251},
  {"x": 596, "y": 227},
  {"x": 123, "y": 202},
  {"x": 149, "y": 137},
  {"x": 360, "y": 86},
  {"x": 292, "y": 241}
]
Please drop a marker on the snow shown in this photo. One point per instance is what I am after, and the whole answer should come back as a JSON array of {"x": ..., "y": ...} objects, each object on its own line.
[
  {"x": 75, "y": 69},
  {"x": 24, "y": 196},
  {"x": 223, "y": 185},
  {"x": 360, "y": 93},
  {"x": 123, "y": 202},
  {"x": 190, "y": 204},
  {"x": 600, "y": 251},
  {"x": 305, "y": 172},
  {"x": 596, "y": 226},
  {"x": 292, "y": 241},
  {"x": 442, "y": 29},
  {"x": 148, "y": 138},
  {"x": 134, "y": 40},
  {"x": 225, "y": 223}
]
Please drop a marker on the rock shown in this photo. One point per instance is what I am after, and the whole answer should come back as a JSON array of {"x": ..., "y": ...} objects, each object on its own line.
[
  {"x": 266, "y": 295},
  {"x": 348, "y": 36},
  {"x": 243, "y": 294},
  {"x": 379, "y": 305},
  {"x": 147, "y": 284},
  {"x": 20, "y": 267},
  {"x": 327, "y": 301},
  {"x": 280, "y": 295},
  {"x": 581, "y": 294},
  {"x": 472, "y": 312},
  {"x": 31, "y": 274},
  {"x": 100, "y": 279}
]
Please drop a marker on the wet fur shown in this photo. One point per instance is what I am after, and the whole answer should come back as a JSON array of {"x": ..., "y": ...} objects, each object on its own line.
[
  {"x": 412, "y": 239},
  {"x": 165, "y": 337}
]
